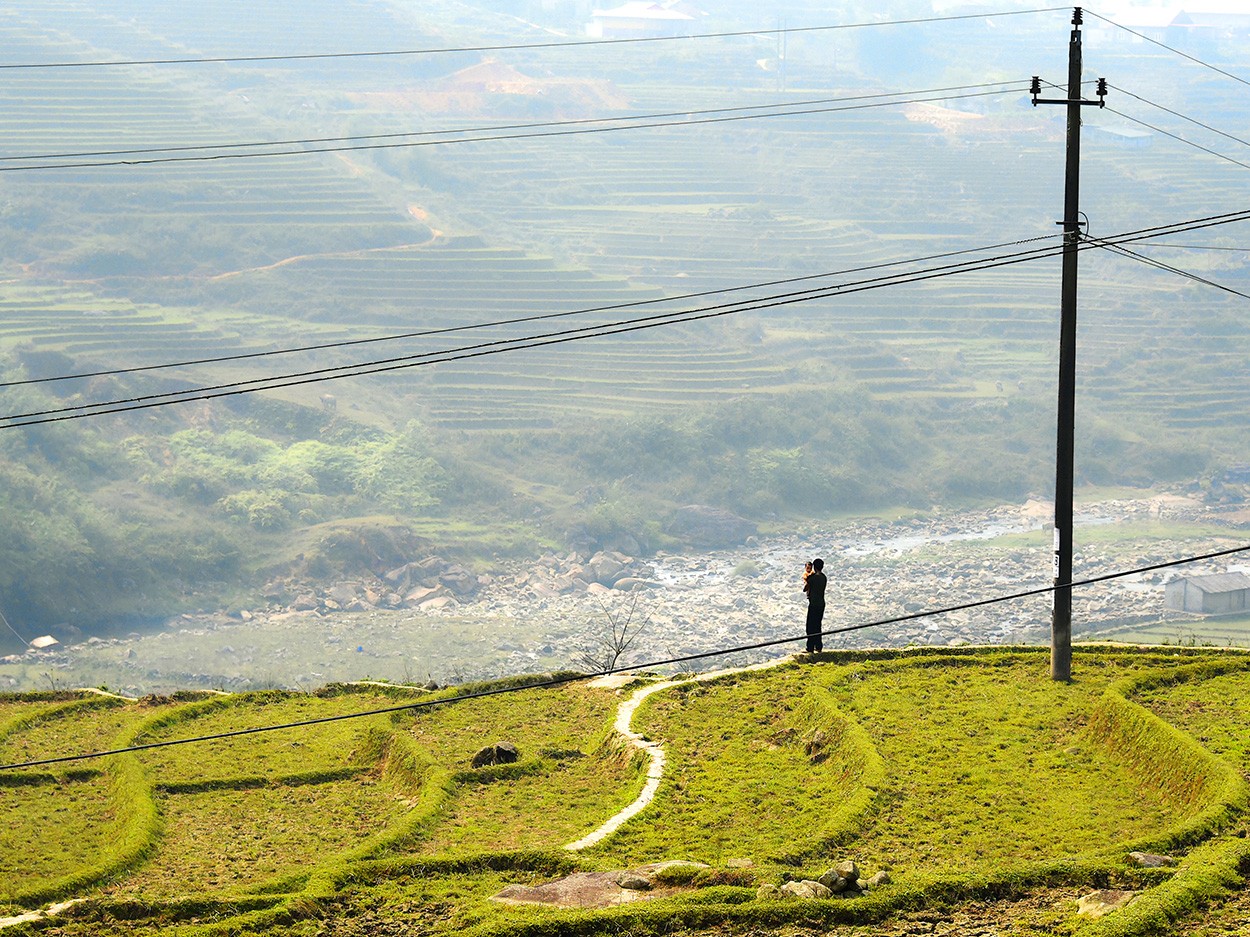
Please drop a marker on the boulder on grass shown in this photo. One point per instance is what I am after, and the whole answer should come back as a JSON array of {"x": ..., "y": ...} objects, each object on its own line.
[
  {"x": 632, "y": 881},
  {"x": 806, "y": 889},
  {"x": 1100, "y": 903},
  {"x": 501, "y": 753},
  {"x": 1150, "y": 860}
]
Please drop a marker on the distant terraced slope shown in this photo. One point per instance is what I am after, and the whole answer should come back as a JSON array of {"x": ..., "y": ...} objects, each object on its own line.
[{"x": 255, "y": 253}]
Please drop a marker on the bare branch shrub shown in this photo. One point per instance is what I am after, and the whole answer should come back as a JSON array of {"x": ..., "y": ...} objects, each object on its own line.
[{"x": 623, "y": 629}]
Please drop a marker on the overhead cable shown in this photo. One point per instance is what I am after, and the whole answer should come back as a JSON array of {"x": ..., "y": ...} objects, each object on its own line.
[
  {"x": 650, "y": 665},
  {"x": 1170, "y": 268},
  {"x": 495, "y": 128},
  {"x": 485, "y": 137},
  {"x": 1166, "y": 133},
  {"x": 1161, "y": 45},
  {"x": 515, "y": 47},
  {"x": 1184, "y": 117},
  {"x": 1201, "y": 247},
  {"x": 601, "y": 330},
  {"x": 6, "y": 624},
  {"x": 522, "y": 319}
]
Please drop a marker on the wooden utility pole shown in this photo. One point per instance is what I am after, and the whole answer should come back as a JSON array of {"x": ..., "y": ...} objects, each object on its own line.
[{"x": 1061, "y": 617}]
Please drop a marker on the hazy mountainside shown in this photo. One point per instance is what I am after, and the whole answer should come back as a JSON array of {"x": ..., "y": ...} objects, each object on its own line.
[
  {"x": 906, "y": 792},
  {"x": 921, "y": 393}
]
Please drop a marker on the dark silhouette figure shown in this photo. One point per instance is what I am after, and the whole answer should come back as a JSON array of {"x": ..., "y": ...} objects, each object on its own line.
[{"x": 814, "y": 586}]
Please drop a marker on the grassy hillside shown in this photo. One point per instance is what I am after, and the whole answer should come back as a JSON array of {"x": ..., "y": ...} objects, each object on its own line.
[{"x": 988, "y": 792}]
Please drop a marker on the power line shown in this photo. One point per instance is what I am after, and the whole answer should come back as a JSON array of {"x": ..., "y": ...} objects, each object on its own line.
[
  {"x": 1184, "y": 117},
  {"x": 1159, "y": 264},
  {"x": 600, "y": 330},
  {"x": 1161, "y": 45},
  {"x": 1197, "y": 146},
  {"x": 651, "y": 665},
  {"x": 14, "y": 630},
  {"x": 1174, "y": 136},
  {"x": 526, "y": 126},
  {"x": 485, "y": 138},
  {"x": 1200, "y": 247},
  {"x": 516, "y": 47},
  {"x": 521, "y": 319},
  {"x": 555, "y": 338}
]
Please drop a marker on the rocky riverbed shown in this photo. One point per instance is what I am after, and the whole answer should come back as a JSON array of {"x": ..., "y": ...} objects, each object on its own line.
[{"x": 433, "y": 620}]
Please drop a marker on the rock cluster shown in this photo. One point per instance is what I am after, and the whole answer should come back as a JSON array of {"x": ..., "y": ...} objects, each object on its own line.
[
  {"x": 434, "y": 583},
  {"x": 501, "y": 753},
  {"x": 875, "y": 570},
  {"x": 570, "y": 575},
  {"x": 842, "y": 879},
  {"x": 552, "y": 611},
  {"x": 634, "y": 881},
  {"x": 432, "y": 580},
  {"x": 605, "y": 889},
  {"x": 673, "y": 872}
]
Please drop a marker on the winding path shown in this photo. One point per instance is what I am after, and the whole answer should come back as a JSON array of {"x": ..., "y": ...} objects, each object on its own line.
[
  {"x": 43, "y": 913},
  {"x": 654, "y": 750}
]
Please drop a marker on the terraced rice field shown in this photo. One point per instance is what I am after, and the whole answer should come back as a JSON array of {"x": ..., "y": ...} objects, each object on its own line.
[{"x": 935, "y": 764}]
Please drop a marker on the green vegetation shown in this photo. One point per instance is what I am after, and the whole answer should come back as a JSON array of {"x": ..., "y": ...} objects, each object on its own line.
[
  {"x": 986, "y": 789},
  {"x": 767, "y": 763},
  {"x": 154, "y": 524},
  {"x": 961, "y": 769},
  {"x": 937, "y": 392}
]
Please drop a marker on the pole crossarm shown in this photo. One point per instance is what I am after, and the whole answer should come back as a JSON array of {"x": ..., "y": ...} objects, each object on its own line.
[
  {"x": 1036, "y": 89},
  {"x": 1080, "y": 101}
]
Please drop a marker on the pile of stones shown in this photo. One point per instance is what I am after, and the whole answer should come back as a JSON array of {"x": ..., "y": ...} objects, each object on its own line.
[{"x": 842, "y": 879}]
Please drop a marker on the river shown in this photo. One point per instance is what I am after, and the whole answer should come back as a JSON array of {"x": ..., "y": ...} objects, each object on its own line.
[{"x": 691, "y": 604}]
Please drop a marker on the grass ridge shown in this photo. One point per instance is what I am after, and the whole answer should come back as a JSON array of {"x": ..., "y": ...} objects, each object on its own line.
[
  {"x": 1210, "y": 873},
  {"x": 865, "y": 769},
  {"x": 1170, "y": 760}
]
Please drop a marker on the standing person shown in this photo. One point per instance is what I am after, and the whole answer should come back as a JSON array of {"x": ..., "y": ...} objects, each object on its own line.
[{"x": 815, "y": 589}]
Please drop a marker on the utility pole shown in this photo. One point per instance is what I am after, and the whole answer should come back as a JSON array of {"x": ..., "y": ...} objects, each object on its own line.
[{"x": 1061, "y": 616}]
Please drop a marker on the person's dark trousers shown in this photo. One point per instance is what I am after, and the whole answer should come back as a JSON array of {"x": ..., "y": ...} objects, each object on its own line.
[{"x": 815, "y": 614}]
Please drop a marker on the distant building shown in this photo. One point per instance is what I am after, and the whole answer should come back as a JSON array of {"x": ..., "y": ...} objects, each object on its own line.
[
  {"x": 1172, "y": 24},
  {"x": 1219, "y": 594},
  {"x": 1134, "y": 25},
  {"x": 1124, "y": 137},
  {"x": 644, "y": 18},
  {"x": 1225, "y": 24}
]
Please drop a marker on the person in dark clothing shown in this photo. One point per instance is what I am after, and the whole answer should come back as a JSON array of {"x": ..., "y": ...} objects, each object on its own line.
[{"x": 814, "y": 586}]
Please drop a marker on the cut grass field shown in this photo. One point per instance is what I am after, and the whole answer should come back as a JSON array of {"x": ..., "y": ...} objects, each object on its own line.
[
  {"x": 1200, "y": 631},
  {"x": 987, "y": 790}
]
